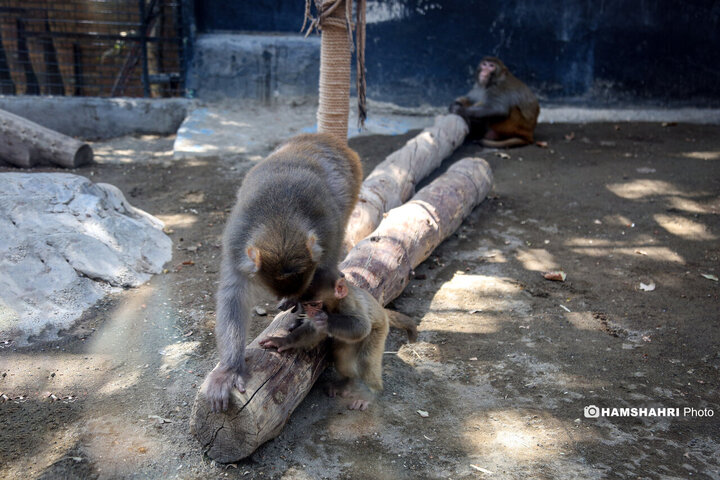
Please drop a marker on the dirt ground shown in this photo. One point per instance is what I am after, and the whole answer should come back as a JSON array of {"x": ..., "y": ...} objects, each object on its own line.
[{"x": 506, "y": 360}]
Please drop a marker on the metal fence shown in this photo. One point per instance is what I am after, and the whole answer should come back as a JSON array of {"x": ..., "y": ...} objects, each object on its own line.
[{"x": 102, "y": 48}]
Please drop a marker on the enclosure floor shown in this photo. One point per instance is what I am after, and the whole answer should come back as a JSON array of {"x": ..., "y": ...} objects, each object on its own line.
[{"x": 506, "y": 360}]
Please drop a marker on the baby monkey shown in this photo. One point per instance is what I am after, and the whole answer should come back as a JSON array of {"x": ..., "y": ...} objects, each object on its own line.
[{"x": 357, "y": 326}]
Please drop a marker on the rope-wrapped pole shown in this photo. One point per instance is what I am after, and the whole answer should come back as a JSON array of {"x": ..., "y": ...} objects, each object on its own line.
[{"x": 334, "y": 92}]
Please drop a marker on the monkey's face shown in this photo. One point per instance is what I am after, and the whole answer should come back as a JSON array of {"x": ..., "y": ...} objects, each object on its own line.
[
  {"x": 287, "y": 279},
  {"x": 485, "y": 72}
]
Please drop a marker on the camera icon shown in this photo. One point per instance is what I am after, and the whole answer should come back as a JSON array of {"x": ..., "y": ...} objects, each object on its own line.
[{"x": 591, "y": 411}]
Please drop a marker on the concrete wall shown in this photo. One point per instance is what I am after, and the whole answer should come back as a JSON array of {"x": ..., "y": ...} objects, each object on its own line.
[
  {"x": 254, "y": 66},
  {"x": 95, "y": 118},
  {"x": 582, "y": 51}
]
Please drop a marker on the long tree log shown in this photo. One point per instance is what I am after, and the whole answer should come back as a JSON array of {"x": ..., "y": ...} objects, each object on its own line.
[
  {"x": 393, "y": 181},
  {"x": 277, "y": 383},
  {"x": 25, "y": 143}
]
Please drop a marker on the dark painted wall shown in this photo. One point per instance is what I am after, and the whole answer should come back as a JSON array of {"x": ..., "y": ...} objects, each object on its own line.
[{"x": 665, "y": 52}]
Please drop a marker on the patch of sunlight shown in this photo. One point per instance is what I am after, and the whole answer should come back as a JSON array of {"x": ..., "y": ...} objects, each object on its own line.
[
  {"x": 483, "y": 321},
  {"x": 178, "y": 220},
  {"x": 472, "y": 291},
  {"x": 120, "y": 448},
  {"x": 57, "y": 373},
  {"x": 703, "y": 155},
  {"x": 138, "y": 329},
  {"x": 120, "y": 382},
  {"x": 593, "y": 247},
  {"x": 97, "y": 231},
  {"x": 232, "y": 123},
  {"x": 175, "y": 353},
  {"x": 50, "y": 450},
  {"x": 537, "y": 259},
  {"x": 690, "y": 206},
  {"x": 354, "y": 427},
  {"x": 642, "y": 188},
  {"x": 194, "y": 197},
  {"x": 196, "y": 162},
  {"x": 662, "y": 254},
  {"x": 683, "y": 227},
  {"x": 522, "y": 435},
  {"x": 583, "y": 321},
  {"x": 617, "y": 220},
  {"x": 294, "y": 473}
]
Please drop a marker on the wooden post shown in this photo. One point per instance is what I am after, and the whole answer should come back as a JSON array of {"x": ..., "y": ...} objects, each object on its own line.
[
  {"x": 334, "y": 89},
  {"x": 277, "y": 383},
  {"x": 393, "y": 181},
  {"x": 25, "y": 143}
]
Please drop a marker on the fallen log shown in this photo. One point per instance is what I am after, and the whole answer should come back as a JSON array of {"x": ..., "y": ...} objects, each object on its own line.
[
  {"x": 393, "y": 181},
  {"x": 24, "y": 143},
  {"x": 277, "y": 383}
]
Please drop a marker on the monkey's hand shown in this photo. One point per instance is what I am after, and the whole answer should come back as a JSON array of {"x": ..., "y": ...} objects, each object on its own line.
[
  {"x": 281, "y": 343},
  {"x": 315, "y": 312},
  {"x": 218, "y": 385}
]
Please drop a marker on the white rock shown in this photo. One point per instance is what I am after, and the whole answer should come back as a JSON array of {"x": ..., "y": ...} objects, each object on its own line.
[{"x": 64, "y": 243}]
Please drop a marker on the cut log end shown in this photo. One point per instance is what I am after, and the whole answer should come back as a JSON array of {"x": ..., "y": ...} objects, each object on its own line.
[
  {"x": 83, "y": 156},
  {"x": 24, "y": 143}
]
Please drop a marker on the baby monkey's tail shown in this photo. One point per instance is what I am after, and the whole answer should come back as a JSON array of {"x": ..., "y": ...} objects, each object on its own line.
[{"x": 403, "y": 322}]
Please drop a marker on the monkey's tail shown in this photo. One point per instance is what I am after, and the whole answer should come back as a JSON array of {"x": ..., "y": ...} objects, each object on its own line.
[
  {"x": 403, "y": 322},
  {"x": 510, "y": 142}
]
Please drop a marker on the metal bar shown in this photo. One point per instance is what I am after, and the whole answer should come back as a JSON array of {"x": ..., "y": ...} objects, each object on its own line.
[{"x": 143, "y": 46}]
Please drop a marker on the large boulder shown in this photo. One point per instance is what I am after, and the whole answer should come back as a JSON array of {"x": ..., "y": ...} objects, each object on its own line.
[{"x": 64, "y": 243}]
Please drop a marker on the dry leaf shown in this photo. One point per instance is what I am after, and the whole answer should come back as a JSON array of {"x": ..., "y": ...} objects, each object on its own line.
[
  {"x": 710, "y": 276},
  {"x": 558, "y": 276}
]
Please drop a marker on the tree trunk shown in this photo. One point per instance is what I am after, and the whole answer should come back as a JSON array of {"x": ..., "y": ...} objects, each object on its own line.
[
  {"x": 393, "y": 181},
  {"x": 25, "y": 143},
  {"x": 381, "y": 263},
  {"x": 334, "y": 91}
]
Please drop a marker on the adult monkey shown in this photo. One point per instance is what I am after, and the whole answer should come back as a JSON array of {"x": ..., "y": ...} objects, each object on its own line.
[
  {"x": 287, "y": 226},
  {"x": 500, "y": 108}
]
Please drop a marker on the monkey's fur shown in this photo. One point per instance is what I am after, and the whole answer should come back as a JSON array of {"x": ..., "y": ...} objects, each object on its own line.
[
  {"x": 500, "y": 108},
  {"x": 357, "y": 325},
  {"x": 287, "y": 224}
]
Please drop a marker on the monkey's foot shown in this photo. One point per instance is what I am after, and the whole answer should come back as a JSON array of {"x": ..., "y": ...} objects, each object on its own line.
[
  {"x": 359, "y": 404},
  {"x": 218, "y": 385}
]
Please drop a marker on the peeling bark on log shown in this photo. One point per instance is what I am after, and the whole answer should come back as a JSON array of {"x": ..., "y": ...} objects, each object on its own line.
[
  {"x": 277, "y": 383},
  {"x": 25, "y": 143},
  {"x": 382, "y": 262},
  {"x": 393, "y": 181}
]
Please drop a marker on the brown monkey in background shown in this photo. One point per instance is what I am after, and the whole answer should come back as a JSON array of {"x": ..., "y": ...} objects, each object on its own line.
[
  {"x": 500, "y": 109},
  {"x": 287, "y": 225},
  {"x": 358, "y": 326}
]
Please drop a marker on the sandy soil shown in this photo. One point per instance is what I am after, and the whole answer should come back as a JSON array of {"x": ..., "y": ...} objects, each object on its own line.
[{"x": 506, "y": 360}]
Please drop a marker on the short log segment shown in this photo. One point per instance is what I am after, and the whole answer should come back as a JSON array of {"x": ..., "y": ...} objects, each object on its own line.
[
  {"x": 277, "y": 383},
  {"x": 393, "y": 181},
  {"x": 25, "y": 144},
  {"x": 382, "y": 262}
]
